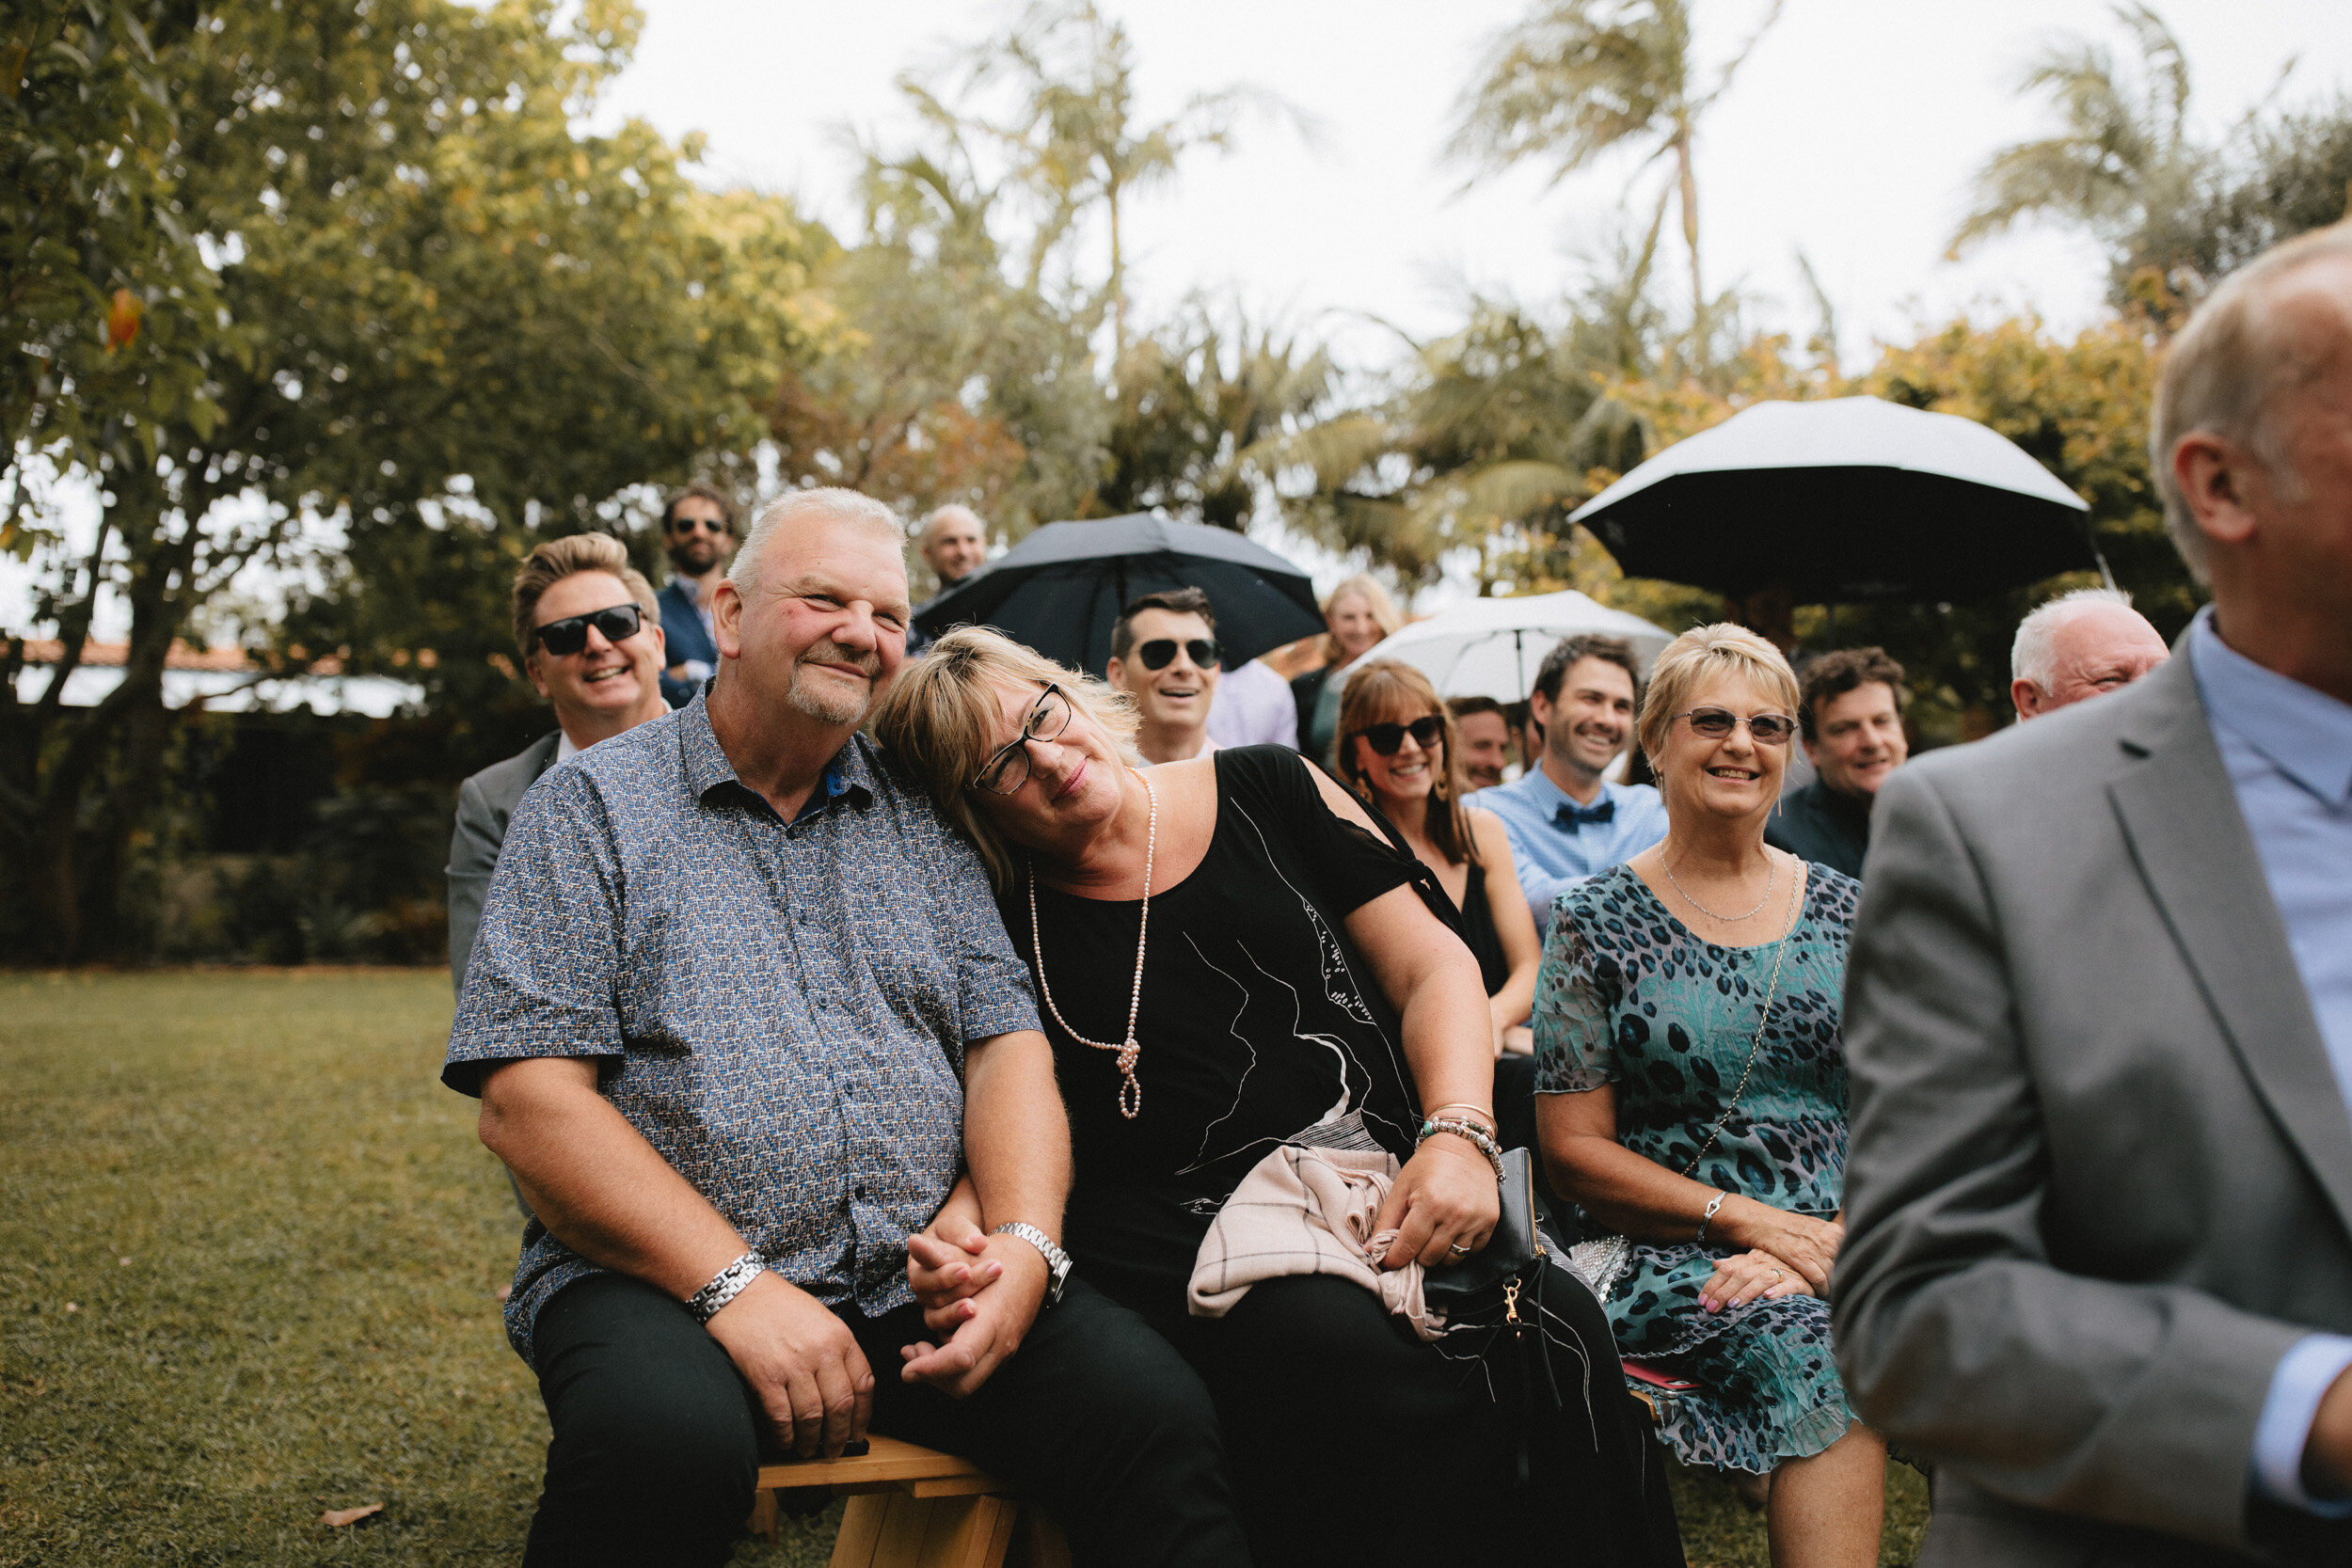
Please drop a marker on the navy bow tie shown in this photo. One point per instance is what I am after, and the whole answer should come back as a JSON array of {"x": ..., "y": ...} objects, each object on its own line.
[{"x": 1573, "y": 816}]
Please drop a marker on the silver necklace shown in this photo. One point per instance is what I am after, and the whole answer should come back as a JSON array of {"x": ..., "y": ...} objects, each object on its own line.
[
  {"x": 1771, "y": 994},
  {"x": 1129, "y": 1049},
  {"x": 1772, "y": 879}
]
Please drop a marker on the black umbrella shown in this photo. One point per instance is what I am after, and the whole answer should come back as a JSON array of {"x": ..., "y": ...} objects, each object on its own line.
[
  {"x": 1844, "y": 500},
  {"x": 1061, "y": 589}
]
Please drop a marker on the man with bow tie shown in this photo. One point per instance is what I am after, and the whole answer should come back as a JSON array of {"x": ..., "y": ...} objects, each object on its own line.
[{"x": 1566, "y": 821}]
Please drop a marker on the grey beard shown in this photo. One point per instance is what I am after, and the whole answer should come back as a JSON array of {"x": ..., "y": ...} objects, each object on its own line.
[{"x": 827, "y": 710}]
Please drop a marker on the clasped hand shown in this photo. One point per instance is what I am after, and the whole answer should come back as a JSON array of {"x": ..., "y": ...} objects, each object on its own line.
[
  {"x": 979, "y": 1293},
  {"x": 1787, "y": 1254}
]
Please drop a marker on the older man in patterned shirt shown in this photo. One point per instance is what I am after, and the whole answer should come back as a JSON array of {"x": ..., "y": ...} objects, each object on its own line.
[{"x": 739, "y": 1011}]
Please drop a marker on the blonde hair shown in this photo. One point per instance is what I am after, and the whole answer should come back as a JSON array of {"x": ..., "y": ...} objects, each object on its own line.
[
  {"x": 938, "y": 722},
  {"x": 1366, "y": 587},
  {"x": 558, "y": 559},
  {"x": 2223, "y": 373},
  {"x": 1388, "y": 690},
  {"x": 1698, "y": 659}
]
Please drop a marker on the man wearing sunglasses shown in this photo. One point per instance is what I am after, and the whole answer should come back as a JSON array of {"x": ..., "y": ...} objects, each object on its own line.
[
  {"x": 698, "y": 535},
  {"x": 741, "y": 1017},
  {"x": 589, "y": 632},
  {"x": 1164, "y": 655}
]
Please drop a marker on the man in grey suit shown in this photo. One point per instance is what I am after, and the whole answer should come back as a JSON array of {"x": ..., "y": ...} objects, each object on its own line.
[
  {"x": 2099, "y": 1013},
  {"x": 590, "y": 631}
]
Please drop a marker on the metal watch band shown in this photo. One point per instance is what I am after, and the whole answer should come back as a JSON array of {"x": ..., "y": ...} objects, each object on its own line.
[
  {"x": 724, "y": 1287},
  {"x": 1056, "y": 1261}
]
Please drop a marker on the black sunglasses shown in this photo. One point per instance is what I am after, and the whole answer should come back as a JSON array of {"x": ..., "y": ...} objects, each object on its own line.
[
  {"x": 1161, "y": 651},
  {"x": 1007, "y": 769},
  {"x": 1769, "y": 729},
  {"x": 688, "y": 525},
  {"x": 570, "y": 634},
  {"x": 1386, "y": 738}
]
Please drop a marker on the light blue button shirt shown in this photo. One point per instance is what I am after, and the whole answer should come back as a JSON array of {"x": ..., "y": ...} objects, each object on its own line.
[
  {"x": 2288, "y": 751},
  {"x": 1549, "y": 851}
]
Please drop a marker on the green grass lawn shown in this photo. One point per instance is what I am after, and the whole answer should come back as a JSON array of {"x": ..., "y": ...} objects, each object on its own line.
[{"x": 248, "y": 1256}]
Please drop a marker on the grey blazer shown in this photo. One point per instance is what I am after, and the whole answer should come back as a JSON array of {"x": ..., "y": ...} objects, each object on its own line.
[
  {"x": 485, "y": 803},
  {"x": 2100, "y": 1176}
]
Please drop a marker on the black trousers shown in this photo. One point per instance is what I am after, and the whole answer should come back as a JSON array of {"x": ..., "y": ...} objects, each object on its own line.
[
  {"x": 657, "y": 1439},
  {"x": 1352, "y": 1442}
]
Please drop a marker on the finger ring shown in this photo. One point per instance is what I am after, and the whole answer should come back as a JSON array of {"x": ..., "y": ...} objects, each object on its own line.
[
  {"x": 1457, "y": 1249},
  {"x": 1777, "y": 1275}
]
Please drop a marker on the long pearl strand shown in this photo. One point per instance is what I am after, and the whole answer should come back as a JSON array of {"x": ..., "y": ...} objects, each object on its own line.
[{"x": 1130, "y": 1050}]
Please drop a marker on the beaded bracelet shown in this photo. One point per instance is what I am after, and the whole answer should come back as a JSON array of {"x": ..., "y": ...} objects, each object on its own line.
[
  {"x": 1469, "y": 1131},
  {"x": 724, "y": 1287}
]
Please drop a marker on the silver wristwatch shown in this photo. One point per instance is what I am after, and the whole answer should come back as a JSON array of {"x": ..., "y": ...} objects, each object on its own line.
[{"x": 1056, "y": 1261}]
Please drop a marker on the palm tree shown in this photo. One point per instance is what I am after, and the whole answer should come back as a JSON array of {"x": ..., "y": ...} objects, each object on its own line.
[
  {"x": 1579, "y": 78},
  {"x": 1074, "y": 137},
  {"x": 2121, "y": 163}
]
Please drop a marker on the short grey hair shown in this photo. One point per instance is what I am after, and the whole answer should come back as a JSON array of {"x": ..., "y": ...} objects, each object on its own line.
[
  {"x": 844, "y": 506},
  {"x": 2034, "y": 656},
  {"x": 951, "y": 512},
  {"x": 2222, "y": 374}
]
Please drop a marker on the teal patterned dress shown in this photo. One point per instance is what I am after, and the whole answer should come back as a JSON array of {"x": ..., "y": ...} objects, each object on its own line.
[{"x": 1629, "y": 998}]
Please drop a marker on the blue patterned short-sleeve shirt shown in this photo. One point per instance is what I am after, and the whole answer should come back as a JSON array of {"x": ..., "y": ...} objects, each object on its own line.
[{"x": 779, "y": 1009}]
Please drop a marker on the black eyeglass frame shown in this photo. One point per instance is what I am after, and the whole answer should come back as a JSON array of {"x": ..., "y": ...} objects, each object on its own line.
[
  {"x": 1731, "y": 721},
  {"x": 1387, "y": 739},
  {"x": 1158, "y": 653},
  {"x": 1019, "y": 746},
  {"x": 630, "y": 615}
]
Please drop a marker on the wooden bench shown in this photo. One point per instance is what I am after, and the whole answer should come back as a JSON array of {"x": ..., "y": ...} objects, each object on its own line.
[{"x": 913, "y": 1507}]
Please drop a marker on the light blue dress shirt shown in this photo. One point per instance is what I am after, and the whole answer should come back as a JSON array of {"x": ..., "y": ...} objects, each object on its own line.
[
  {"x": 1549, "y": 848},
  {"x": 2288, "y": 751}
]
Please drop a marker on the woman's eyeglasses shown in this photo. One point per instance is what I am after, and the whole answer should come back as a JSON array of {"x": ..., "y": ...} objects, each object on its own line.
[
  {"x": 1008, "y": 769},
  {"x": 1386, "y": 738},
  {"x": 1161, "y": 651},
  {"x": 1715, "y": 724},
  {"x": 569, "y": 635}
]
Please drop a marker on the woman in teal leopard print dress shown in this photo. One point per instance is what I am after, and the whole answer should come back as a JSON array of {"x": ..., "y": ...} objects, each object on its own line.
[{"x": 1691, "y": 1085}]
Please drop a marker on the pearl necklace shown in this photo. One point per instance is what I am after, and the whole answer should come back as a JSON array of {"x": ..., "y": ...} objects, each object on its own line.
[
  {"x": 1772, "y": 879},
  {"x": 1130, "y": 1090}
]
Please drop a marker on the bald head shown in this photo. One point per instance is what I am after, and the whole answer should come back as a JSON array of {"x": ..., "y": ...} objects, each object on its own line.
[
  {"x": 954, "y": 543},
  {"x": 2083, "y": 646}
]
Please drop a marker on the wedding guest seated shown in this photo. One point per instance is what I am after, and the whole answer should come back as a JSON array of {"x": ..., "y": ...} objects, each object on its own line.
[
  {"x": 738, "y": 1012},
  {"x": 1849, "y": 711},
  {"x": 2082, "y": 644},
  {"x": 1567, "y": 819},
  {"x": 1233, "y": 960},
  {"x": 1484, "y": 731},
  {"x": 1397, "y": 748},
  {"x": 1165, "y": 658},
  {"x": 1358, "y": 614},
  {"x": 1691, "y": 1094}
]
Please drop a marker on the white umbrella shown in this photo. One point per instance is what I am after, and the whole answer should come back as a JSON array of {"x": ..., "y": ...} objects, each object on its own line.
[
  {"x": 1844, "y": 500},
  {"x": 1492, "y": 647}
]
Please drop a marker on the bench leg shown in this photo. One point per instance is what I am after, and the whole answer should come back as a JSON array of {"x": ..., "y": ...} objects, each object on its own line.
[
  {"x": 893, "y": 1529},
  {"x": 763, "y": 1519}
]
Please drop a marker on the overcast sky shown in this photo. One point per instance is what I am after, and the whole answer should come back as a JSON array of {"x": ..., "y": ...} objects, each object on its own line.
[{"x": 1851, "y": 134}]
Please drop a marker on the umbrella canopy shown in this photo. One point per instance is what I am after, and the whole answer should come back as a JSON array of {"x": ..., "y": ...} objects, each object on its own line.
[
  {"x": 1492, "y": 647},
  {"x": 1061, "y": 589},
  {"x": 1844, "y": 500}
]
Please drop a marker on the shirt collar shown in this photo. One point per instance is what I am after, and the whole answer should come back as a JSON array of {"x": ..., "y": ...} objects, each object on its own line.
[
  {"x": 2305, "y": 734},
  {"x": 706, "y": 767},
  {"x": 1548, "y": 796}
]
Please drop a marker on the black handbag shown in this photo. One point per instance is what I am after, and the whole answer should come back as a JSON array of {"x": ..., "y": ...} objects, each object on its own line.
[{"x": 1515, "y": 1248}]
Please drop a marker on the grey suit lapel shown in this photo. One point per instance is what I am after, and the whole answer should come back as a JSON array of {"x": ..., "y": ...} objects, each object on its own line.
[{"x": 2180, "y": 818}]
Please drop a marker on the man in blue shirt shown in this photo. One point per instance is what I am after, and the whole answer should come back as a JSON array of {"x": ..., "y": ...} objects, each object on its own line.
[
  {"x": 1566, "y": 821},
  {"x": 2099, "y": 1020},
  {"x": 740, "y": 1012},
  {"x": 698, "y": 535}
]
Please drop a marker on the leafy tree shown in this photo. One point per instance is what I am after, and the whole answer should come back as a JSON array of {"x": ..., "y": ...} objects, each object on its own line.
[
  {"x": 2296, "y": 175},
  {"x": 1579, "y": 79},
  {"x": 446, "y": 322}
]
